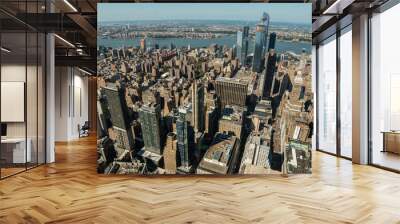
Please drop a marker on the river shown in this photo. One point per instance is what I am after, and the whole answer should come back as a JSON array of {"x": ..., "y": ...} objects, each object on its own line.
[{"x": 229, "y": 40}]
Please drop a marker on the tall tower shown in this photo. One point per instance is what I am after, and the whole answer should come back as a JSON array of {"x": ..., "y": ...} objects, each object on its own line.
[
  {"x": 242, "y": 43},
  {"x": 269, "y": 72},
  {"x": 270, "y": 67},
  {"x": 184, "y": 138},
  {"x": 198, "y": 106},
  {"x": 150, "y": 120},
  {"x": 272, "y": 40},
  {"x": 239, "y": 45},
  {"x": 303, "y": 60},
  {"x": 143, "y": 43},
  {"x": 265, "y": 21},
  {"x": 170, "y": 154},
  {"x": 259, "y": 47},
  {"x": 115, "y": 98}
]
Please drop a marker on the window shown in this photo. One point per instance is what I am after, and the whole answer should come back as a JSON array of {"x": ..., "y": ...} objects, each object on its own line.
[
  {"x": 385, "y": 89},
  {"x": 346, "y": 92},
  {"x": 327, "y": 95},
  {"x": 22, "y": 76}
]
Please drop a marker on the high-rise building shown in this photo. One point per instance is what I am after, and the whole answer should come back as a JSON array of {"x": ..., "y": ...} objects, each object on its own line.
[
  {"x": 265, "y": 20},
  {"x": 103, "y": 115},
  {"x": 212, "y": 113},
  {"x": 269, "y": 73},
  {"x": 272, "y": 40},
  {"x": 115, "y": 98},
  {"x": 270, "y": 67},
  {"x": 170, "y": 154},
  {"x": 260, "y": 44},
  {"x": 185, "y": 137},
  {"x": 143, "y": 44},
  {"x": 198, "y": 106},
  {"x": 231, "y": 91},
  {"x": 211, "y": 121},
  {"x": 242, "y": 44},
  {"x": 259, "y": 47},
  {"x": 239, "y": 45},
  {"x": 152, "y": 131},
  {"x": 303, "y": 60}
]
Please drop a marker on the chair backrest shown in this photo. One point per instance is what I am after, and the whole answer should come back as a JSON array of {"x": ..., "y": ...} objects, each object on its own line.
[{"x": 86, "y": 125}]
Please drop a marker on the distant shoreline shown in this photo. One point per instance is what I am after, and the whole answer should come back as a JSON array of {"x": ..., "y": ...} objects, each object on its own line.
[
  {"x": 281, "y": 45},
  {"x": 272, "y": 23},
  {"x": 161, "y": 38}
]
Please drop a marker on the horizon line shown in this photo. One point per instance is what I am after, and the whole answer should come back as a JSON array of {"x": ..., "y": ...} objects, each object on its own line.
[{"x": 109, "y": 21}]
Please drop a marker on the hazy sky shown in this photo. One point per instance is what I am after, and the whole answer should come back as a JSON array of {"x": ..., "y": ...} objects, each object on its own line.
[{"x": 279, "y": 12}]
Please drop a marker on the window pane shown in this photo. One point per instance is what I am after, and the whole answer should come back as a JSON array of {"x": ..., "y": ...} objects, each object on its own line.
[
  {"x": 327, "y": 96},
  {"x": 14, "y": 153},
  {"x": 385, "y": 84},
  {"x": 346, "y": 94}
]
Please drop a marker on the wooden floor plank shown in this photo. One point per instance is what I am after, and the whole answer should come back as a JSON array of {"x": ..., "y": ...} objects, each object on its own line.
[{"x": 70, "y": 191}]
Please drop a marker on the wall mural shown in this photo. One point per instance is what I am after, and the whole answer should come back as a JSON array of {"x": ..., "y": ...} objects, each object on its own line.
[{"x": 204, "y": 88}]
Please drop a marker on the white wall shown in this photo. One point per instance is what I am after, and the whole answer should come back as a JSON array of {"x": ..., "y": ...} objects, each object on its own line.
[
  {"x": 71, "y": 93},
  {"x": 12, "y": 73},
  {"x": 33, "y": 126},
  {"x": 62, "y": 81}
]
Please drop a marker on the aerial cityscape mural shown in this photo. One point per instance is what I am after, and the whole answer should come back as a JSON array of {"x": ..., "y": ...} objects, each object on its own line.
[{"x": 204, "y": 88}]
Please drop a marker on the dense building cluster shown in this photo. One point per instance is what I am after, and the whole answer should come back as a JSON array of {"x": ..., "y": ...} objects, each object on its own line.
[{"x": 209, "y": 110}]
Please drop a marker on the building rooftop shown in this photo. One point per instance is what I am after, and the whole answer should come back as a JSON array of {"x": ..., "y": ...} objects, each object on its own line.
[
  {"x": 218, "y": 157},
  {"x": 242, "y": 81}
]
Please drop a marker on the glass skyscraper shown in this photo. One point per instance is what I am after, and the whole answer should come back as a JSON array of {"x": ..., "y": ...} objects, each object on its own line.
[
  {"x": 270, "y": 66},
  {"x": 265, "y": 20},
  {"x": 259, "y": 47},
  {"x": 272, "y": 40},
  {"x": 242, "y": 44},
  {"x": 184, "y": 132},
  {"x": 198, "y": 105},
  {"x": 261, "y": 42}
]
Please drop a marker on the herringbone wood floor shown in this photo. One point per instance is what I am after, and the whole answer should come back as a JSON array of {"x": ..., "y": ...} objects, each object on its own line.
[{"x": 70, "y": 191}]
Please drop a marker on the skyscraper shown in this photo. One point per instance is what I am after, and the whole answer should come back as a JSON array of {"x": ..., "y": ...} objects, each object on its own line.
[
  {"x": 260, "y": 44},
  {"x": 259, "y": 47},
  {"x": 185, "y": 139},
  {"x": 265, "y": 21},
  {"x": 272, "y": 40},
  {"x": 198, "y": 106},
  {"x": 242, "y": 44},
  {"x": 303, "y": 60},
  {"x": 170, "y": 154},
  {"x": 115, "y": 98},
  {"x": 150, "y": 120},
  {"x": 143, "y": 44},
  {"x": 269, "y": 73}
]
